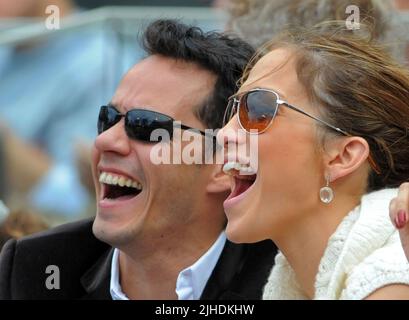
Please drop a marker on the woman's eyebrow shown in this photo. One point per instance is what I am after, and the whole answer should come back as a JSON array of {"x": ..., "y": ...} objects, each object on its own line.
[{"x": 239, "y": 93}]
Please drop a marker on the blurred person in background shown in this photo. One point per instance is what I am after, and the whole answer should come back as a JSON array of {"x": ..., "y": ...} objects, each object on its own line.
[
  {"x": 166, "y": 3},
  {"x": 22, "y": 164},
  {"x": 4, "y": 184},
  {"x": 4, "y": 211},
  {"x": 33, "y": 8},
  {"x": 403, "y": 7},
  {"x": 258, "y": 21},
  {"x": 17, "y": 224},
  {"x": 402, "y": 4},
  {"x": 51, "y": 88}
]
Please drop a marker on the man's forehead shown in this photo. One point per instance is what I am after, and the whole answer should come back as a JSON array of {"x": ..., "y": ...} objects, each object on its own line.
[
  {"x": 163, "y": 84},
  {"x": 173, "y": 69}
]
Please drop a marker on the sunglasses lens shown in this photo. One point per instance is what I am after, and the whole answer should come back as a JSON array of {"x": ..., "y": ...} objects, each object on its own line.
[
  {"x": 108, "y": 117},
  {"x": 140, "y": 124},
  {"x": 257, "y": 110}
]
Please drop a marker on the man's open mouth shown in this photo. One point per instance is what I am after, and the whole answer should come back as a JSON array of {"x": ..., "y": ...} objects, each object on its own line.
[
  {"x": 244, "y": 178},
  {"x": 118, "y": 187}
]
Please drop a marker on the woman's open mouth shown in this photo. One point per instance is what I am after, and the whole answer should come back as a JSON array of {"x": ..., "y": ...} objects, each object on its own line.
[{"x": 243, "y": 179}]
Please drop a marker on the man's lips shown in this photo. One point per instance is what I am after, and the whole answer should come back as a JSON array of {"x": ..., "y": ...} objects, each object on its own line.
[
  {"x": 115, "y": 171},
  {"x": 117, "y": 185}
]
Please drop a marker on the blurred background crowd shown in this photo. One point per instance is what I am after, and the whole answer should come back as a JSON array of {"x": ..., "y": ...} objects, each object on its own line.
[{"x": 52, "y": 83}]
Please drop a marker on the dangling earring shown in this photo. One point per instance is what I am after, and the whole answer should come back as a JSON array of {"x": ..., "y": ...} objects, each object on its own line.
[{"x": 326, "y": 193}]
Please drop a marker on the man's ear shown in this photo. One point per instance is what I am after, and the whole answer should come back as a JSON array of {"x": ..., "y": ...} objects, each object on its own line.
[
  {"x": 345, "y": 156},
  {"x": 219, "y": 181}
]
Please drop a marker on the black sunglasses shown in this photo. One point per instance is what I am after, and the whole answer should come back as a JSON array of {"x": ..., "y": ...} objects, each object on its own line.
[{"x": 139, "y": 123}]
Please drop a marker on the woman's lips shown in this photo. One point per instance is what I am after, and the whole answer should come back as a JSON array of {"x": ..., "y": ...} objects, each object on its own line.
[{"x": 241, "y": 187}]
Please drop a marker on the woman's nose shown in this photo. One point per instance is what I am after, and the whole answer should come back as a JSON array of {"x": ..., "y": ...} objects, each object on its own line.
[{"x": 231, "y": 133}]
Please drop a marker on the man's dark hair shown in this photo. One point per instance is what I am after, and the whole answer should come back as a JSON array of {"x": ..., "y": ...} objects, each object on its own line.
[{"x": 224, "y": 55}]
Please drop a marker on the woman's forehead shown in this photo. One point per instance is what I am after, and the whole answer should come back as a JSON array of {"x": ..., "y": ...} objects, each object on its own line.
[{"x": 276, "y": 70}]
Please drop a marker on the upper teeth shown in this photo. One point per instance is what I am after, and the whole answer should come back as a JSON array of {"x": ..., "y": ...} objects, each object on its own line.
[
  {"x": 121, "y": 181},
  {"x": 243, "y": 168}
]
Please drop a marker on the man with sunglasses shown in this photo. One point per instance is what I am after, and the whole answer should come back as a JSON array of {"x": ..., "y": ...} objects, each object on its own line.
[{"x": 159, "y": 228}]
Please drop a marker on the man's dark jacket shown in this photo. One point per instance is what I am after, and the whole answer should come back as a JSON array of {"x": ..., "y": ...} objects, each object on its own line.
[{"x": 84, "y": 265}]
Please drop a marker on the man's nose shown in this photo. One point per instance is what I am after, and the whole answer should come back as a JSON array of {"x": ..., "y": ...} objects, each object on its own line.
[{"x": 114, "y": 139}]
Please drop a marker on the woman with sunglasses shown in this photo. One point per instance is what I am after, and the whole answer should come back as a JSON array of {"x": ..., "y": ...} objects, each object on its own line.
[{"x": 331, "y": 115}]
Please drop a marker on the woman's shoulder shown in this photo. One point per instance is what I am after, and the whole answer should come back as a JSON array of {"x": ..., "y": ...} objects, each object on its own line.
[
  {"x": 364, "y": 253},
  {"x": 386, "y": 265}
]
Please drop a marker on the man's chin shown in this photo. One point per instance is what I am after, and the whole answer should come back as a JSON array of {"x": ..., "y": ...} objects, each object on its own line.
[{"x": 113, "y": 235}]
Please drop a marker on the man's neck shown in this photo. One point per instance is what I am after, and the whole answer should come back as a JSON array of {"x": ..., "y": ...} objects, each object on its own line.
[{"x": 154, "y": 275}]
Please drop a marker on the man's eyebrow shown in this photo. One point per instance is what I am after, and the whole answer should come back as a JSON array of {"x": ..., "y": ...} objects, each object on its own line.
[{"x": 110, "y": 104}]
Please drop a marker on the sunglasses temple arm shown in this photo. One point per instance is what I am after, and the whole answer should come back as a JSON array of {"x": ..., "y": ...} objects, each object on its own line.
[
  {"x": 370, "y": 159},
  {"x": 197, "y": 130},
  {"x": 316, "y": 119}
]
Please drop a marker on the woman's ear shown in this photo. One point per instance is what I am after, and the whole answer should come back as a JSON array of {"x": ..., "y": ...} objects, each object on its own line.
[
  {"x": 219, "y": 181},
  {"x": 345, "y": 156}
]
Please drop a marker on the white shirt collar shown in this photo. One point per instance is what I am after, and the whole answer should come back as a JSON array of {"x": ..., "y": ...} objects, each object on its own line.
[{"x": 190, "y": 282}]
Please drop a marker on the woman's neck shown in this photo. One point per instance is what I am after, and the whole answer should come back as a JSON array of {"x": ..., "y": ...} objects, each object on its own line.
[{"x": 304, "y": 242}]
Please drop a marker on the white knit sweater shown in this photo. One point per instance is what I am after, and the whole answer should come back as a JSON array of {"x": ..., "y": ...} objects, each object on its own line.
[{"x": 363, "y": 255}]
